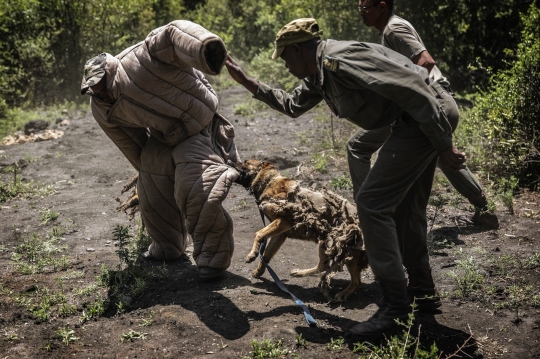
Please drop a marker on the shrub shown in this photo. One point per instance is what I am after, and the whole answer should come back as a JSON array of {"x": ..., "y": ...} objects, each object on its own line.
[{"x": 502, "y": 130}]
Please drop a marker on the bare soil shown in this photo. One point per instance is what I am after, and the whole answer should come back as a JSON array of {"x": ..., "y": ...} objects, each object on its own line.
[{"x": 194, "y": 319}]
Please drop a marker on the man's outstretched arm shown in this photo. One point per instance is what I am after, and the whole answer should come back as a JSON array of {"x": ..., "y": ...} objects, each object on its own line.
[{"x": 240, "y": 76}]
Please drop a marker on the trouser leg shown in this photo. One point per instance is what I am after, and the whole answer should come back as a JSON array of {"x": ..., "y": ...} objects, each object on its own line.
[
  {"x": 202, "y": 184},
  {"x": 401, "y": 162},
  {"x": 467, "y": 185},
  {"x": 360, "y": 148},
  {"x": 161, "y": 216},
  {"x": 463, "y": 180}
]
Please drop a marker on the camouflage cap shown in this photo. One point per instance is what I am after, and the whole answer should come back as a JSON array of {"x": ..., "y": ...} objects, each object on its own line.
[
  {"x": 296, "y": 31},
  {"x": 94, "y": 69}
]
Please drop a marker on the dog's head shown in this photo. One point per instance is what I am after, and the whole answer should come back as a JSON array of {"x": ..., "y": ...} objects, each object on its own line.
[{"x": 248, "y": 170}]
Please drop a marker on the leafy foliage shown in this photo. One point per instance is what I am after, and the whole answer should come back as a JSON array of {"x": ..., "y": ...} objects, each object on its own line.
[{"x": 501, "y": 132}]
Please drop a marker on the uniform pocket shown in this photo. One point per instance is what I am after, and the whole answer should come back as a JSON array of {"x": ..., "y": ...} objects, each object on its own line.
[{"x": 348, "y": 103}]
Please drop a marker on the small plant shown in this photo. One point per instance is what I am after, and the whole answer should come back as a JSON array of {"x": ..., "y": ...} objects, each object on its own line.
[
  {"x": 67, "y": 310},
  {"x": 133, "y": 335},
  {"x": 320, "y": 161},
  {"x": 507, "y": 186},
  {"x": 66, "y": 334},
  {"x": 129, "y": 279},
  {"x": 342, "y": 182},
  {"x": 36, "y": 254},
  {"x": 335, "y": 344},
  {"x": 146, "y": 322},
  {"x": 468, "y": 278},
  {"x": 267, "y": 349},
  {"x": 243, "y": 109},
  {"x": 435, "y": 246},
  {"x": 438, "y": 202},
  {"x": 240, "y": 205},
  {"x": 10, "y": 336},
  {"x": 300, "y": 342},
  {"x": 16, "y": 187},
  {"x": 403, "y": 345}
]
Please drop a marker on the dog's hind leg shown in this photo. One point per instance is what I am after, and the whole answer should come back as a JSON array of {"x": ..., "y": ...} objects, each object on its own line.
[
  {"x": 278, "y": 226},
  {"x": 355, "y": 266},
  {"x": 320, "y": 267},
  {"x": 273, "y": 245}
]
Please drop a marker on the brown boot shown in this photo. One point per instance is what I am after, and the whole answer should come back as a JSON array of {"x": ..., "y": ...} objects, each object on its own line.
[
  {"x": 421, "y": 289},
  {"x": 395, "y": 307}
]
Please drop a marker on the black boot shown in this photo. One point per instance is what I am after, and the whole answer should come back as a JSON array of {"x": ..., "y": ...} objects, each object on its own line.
[
  {"x": 395, "y": 306},
  {"x": 421, "y": 289}
]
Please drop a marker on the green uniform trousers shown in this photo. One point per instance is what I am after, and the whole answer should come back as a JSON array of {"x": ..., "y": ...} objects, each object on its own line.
[
  {"x": 392, "y": 200},
  {"x": 364, "y": 143}
]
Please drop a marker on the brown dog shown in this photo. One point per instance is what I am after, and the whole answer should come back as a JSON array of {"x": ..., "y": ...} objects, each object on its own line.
[{"x": 298, "y": 212}]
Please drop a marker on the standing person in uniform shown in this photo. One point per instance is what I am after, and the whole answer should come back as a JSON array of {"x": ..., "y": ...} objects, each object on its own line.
[
  {"x": 153, "y": 101},
  {"x": 399, "y": 35},
  {"x": 374, "y": 87}
]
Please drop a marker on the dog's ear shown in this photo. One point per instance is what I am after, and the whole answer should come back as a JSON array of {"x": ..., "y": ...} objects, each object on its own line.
[{"x": 266, "y": 164}]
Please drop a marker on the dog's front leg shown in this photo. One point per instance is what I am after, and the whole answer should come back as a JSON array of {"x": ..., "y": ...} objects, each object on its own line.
[
  {"x": 278, "y": 226},
  {"x": 273, "y": 245}
]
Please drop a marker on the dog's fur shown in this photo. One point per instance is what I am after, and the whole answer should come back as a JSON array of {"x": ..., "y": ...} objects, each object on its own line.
[{"x": 298, "y": 212}]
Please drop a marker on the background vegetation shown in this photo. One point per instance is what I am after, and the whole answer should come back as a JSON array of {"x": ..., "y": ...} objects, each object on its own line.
[{"x": 487, "y": 48}]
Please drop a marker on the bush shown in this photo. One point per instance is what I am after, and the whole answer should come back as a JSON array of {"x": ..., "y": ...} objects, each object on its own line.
[{"x": 502, "y": 131}]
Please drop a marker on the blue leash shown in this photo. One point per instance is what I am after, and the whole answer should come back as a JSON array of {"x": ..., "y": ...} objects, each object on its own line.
[{"x": 309, "y": 319}]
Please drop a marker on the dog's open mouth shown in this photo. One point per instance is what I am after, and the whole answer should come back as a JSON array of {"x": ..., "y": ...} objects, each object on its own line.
[{"x": 243, "y": 179}]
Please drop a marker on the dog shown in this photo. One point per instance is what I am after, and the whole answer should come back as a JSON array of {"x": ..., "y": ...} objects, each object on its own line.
[{"x": 301, "y": 213}]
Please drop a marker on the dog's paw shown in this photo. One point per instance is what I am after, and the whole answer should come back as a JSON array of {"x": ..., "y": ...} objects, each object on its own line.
[
  {"x": 251, "y": 257},
  {"x": 257, "y": 273},
  {"x": 304, "y": 272},
  {"x": 341, "y": 296}
]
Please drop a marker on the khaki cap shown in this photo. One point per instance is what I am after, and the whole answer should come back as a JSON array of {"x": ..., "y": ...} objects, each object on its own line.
[{"x": 296, "y": 31}]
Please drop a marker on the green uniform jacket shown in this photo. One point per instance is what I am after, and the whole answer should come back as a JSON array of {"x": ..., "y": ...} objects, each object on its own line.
[{"x": 369, "y": 85}]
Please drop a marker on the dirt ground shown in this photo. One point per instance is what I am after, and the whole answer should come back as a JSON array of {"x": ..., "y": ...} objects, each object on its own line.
[{"x": 182, "y": 317}]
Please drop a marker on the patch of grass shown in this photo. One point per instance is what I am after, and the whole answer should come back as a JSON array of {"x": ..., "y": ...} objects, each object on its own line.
[
  {"x": 342, "y": 182},
  {"x": 507, "y": 187},
  {"x": 243, "y": 109},
  {"x": 48, "y": 215},
  {"x": 241, "y": 204},
  {"x": 468, "y": 278},
  {"x": 299, "y": 341},
  {"x": 36, "y": 254},
  {"x": 15, "y": 187},
  {"x": 133, "y": 335},
  {"x": 436, "y": 246},
  {"x": 85, "y": 291},
  {"x": 267, "y": 349},
  {"x": 320, "y": 161},
  {"x": 335, "y": 344},
  {"x": 18, "y": 117},
  {"x": 302, "y": 137},
  {"x": 438, "y": 202},
  {"x": 146, "y": 322},
  {"x": 404, "y": 345}
]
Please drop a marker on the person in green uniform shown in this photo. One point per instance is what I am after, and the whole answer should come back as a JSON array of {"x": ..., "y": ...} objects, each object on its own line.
[
  {"x": 399, "y": 35},
  {"x": 373, "y": 87}
]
